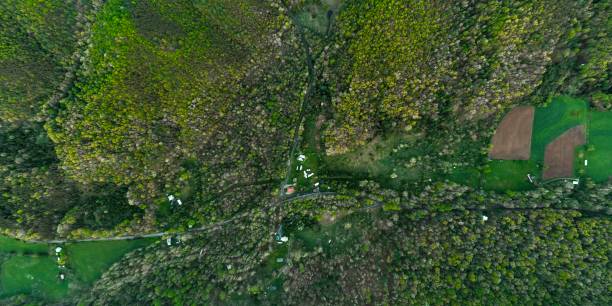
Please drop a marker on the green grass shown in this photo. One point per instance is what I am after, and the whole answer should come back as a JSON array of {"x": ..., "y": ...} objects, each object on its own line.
[
  {"x": 10, "y": 245},
  {"x": 90, "y": 259},
  {"x": 32, "y": 275},
  {"x": 553, "y": 120},
  {"x": 599, "y": 148},
  {"x": 505, "y": 175},
  {"x": 468, "y": 176},
  {"x": 38, "y": 275}
]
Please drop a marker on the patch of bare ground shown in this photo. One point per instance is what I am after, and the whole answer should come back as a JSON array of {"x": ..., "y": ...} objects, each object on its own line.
[
  {"x": 560, "y": 153},
  {"x": 512, "y": 139}
]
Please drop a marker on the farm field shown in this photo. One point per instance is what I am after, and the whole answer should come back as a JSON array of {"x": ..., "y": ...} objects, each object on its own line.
[
  {"x": 559, "y": 158},
  {"x": 550, "y": 124},
  {"x": 512, "y": 139},
  {"x": 553, "y": 120}
]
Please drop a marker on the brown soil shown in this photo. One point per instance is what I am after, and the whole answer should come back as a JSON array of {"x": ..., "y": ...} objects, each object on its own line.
[
  {"x": 512, "y": 139},
  {"x": 560, "y": 153}
]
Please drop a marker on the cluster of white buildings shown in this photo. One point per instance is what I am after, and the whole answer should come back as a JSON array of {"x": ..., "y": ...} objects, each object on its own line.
[
  {"x": 173, "y": 200},
  {"x": 306, "y": 172}
]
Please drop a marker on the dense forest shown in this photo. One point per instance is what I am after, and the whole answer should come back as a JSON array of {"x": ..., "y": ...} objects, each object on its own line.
[{"x": 193, "y": 119}]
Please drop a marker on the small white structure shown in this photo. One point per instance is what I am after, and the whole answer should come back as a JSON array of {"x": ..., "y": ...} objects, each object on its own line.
[
  {"x": 169, "y": 241},
  {"x": 301, "y": 157},
  {"x": 300, "y": 168},
  {"x": 576, "y": 181},
  {"x": 58, "y": 249},
  {"x": 310, "y": 175},
  {"x": 179, "y": 202},
  {"x": 284, "y": 239},
  {"x": 62, "y": 276},
  {"x": 485, "y": 218},
  {"x": 170, "y": 198},
  {"x": 586, "y": 162},
  {"x": 280, "y": 259},
  {"x": 316, "y": 184},
  {"x": 529, "y": 177},
  {"x": 229, "y": 266}
]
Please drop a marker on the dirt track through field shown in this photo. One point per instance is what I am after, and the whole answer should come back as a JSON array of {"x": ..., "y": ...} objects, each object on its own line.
[
  {"x": 559, "y": 155},
  {"x": 512, "y": 139}
]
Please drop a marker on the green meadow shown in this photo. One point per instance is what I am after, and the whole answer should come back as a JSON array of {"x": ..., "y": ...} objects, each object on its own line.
[
  {"x": 32, "y": 268},
  {"x": 598, "y": 151}
]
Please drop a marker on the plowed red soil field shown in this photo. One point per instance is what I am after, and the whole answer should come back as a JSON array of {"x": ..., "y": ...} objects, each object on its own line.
[
  {"x": 560, "y": 153},
  {"x": 512, "y": 139}
]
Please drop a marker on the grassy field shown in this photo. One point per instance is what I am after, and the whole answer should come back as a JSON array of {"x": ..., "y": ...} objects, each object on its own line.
[
  {"x": 31, "y": 268},
  {"x": 599, "y": 146},
  {"x": 90, "y": 259},
  {"x": 32, "y": 275},
  {"x": 497, "y": 175},
  {"x": 551, "y": 121},
  {"x": 10, "y": 245},
  {"x": 503, "y": 175}
]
